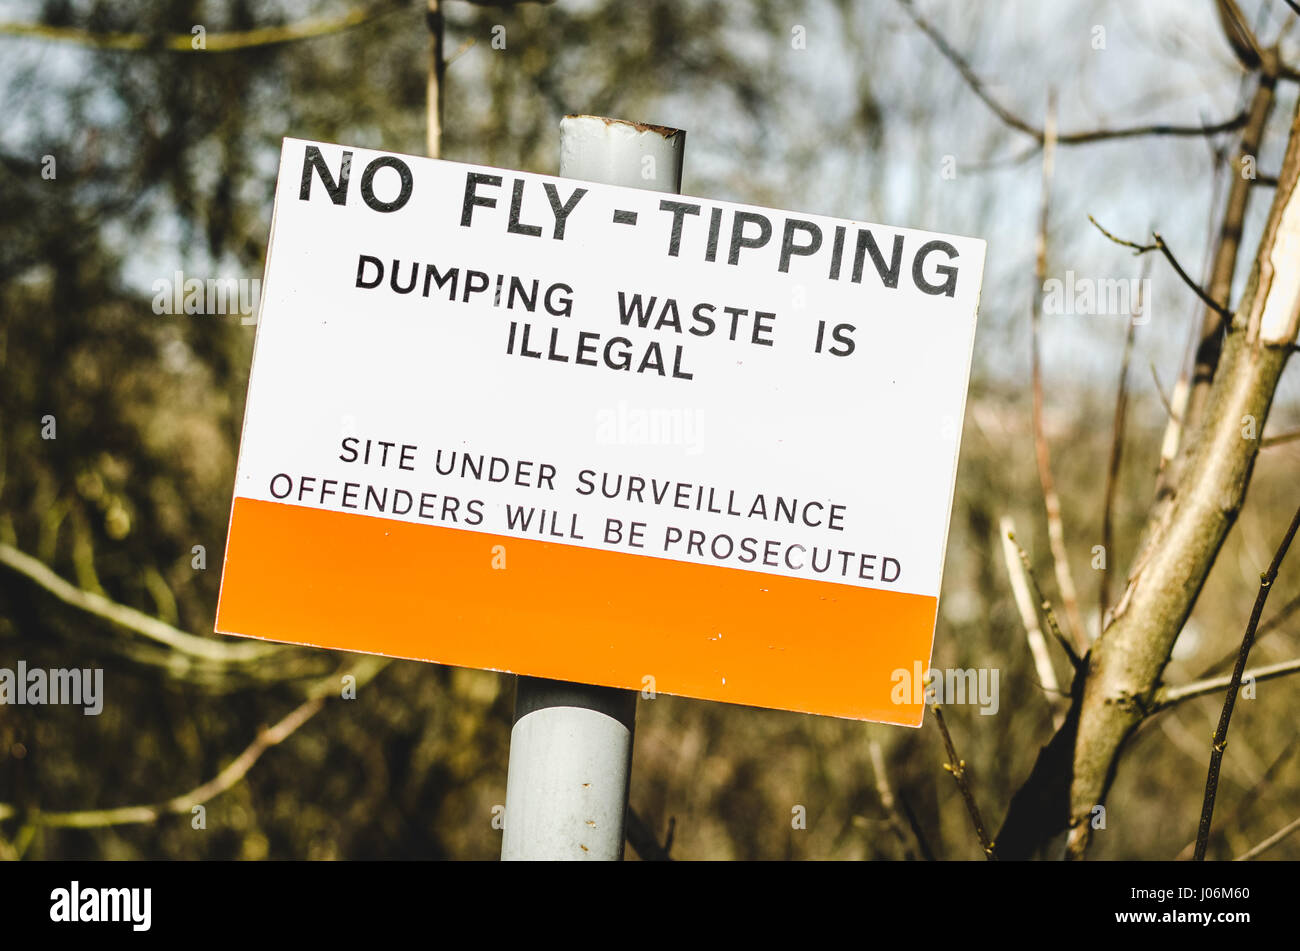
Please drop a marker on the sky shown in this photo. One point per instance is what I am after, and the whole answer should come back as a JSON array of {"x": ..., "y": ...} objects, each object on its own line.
[{"x": 945, "y": 162}]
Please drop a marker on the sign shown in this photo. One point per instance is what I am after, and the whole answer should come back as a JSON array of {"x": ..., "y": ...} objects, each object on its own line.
[{"x": 584, "y": 432}]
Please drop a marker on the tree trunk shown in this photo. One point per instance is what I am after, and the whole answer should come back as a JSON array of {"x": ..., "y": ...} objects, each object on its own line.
[{"x": 1184, "y": 533}]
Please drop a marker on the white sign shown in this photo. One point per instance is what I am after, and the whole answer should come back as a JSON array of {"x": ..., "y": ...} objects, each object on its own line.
[{"x": 684, "y": 401}]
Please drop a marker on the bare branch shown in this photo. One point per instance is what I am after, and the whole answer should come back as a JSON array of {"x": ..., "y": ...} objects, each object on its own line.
[
  {"x": 1183, "y": 536},
  {"x": 1159, "y": 245},
  {"x": 365, "y": 669},
  {"x": 1252, "y": 795},
  {"x": 213, "y": 42},
  {"x": 1170, "y": 410},
  {"x": 1045, "y": 605},
  {"x": 461, "y": 50},
  {"x": 1176, "y": 409},
  {"x": 1168, "y": 696},
  {"x": 185, "y": 802},
  {"x": 1067, "y": 138},
  {"x": 1116, "y": 452},
  {"x": 1042, "y": 453},
  {"x": 1238, "y": 34},
  {"x": 957, "y": 767},
  {"x": 1279, "y": 439},
  {"x": 886, "y": 795},
  {"x": 1225, "y": 718},
  {"x": 1166, "y": 468},
  {"x": 1029, "y": 617},
  {"x": 1268, "y": 627},
  {"x": 1271, "y": 841},
  {"x": 1227, "y": 244},
  {"x": 199, "y": 647},
  {"x": 1005, "y": 161}
]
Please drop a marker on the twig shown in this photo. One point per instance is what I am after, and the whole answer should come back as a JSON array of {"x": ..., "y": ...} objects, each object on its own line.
[
  {"x": 1005, "y": 161},
  {"x": 887, "y": 798},
  {"x": 1227, "y": 244},
  {"x": 1221, "y": 732},
  {"x": 1268, "y": 627},
  {"x": 1045, "y": 605},
  {"x": 957, "y": 767},
  {"x": 213, "y": 42},
  {"x": 1067, "y": 138},
  {"x": 1170, "y": 411},
  {"x": 1271, "y": 841},
  {"x": 1191, "y": 745},
  {"x": 1168, "y": 696},
  {"x": 224, "y": 780},
  {"x": 1279, "y": 439},
  {"x": 129, "y": 618},
  {"x": 461, "y": 50},
  {"x": 363, "y": 670},
  {"x": 1175, "y": 409},
  {"x": 1238, "y": 34},
  {"x": 1252, "y": 794},
  {"x": 1029, "y": 617},
  {"x": 1169, "y": 444},
  {"x": 1159, "y": 245},
  {"x": 1116, "y": 453},
  {"x": 1182, "y": 538},
  {"x": 1042, "y": 453}
]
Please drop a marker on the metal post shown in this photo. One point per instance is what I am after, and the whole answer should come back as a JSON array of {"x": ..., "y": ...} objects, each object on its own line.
[{"x": 571, "y": 745}]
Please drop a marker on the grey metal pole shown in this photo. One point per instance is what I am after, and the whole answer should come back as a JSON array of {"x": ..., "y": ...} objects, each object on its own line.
[{"x": 571, "y": 745}]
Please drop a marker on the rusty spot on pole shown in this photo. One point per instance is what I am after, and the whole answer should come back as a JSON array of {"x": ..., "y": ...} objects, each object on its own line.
[{"x": 663, "y": 130}]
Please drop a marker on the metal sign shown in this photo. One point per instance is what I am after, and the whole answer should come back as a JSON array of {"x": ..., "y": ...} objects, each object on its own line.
[{"x": 593, "y": 433}]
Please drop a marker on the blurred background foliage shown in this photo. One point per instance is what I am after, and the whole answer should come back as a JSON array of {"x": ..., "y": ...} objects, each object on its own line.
[{"x": 166, "y": 161}]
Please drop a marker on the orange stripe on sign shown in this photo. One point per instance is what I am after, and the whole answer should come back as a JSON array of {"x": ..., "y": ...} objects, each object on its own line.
[{"x": 428, "y": 592}]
